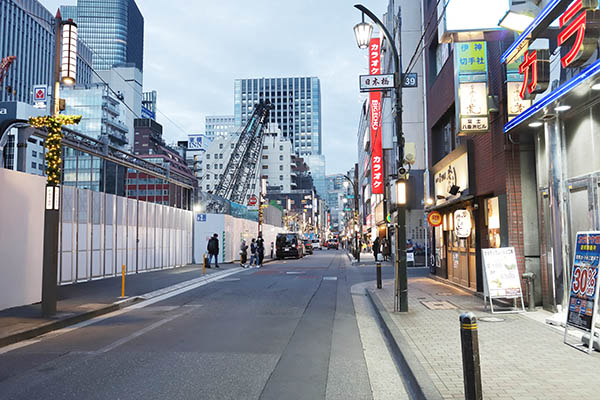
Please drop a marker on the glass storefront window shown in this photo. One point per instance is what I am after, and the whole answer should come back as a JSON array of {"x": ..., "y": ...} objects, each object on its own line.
[{"x": 493, "y": 222}]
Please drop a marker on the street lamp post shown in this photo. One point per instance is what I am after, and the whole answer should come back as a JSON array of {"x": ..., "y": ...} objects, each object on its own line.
[{"x": 363, "y": 34}]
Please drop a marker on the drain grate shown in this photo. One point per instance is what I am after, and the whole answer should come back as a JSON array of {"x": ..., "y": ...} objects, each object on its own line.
[{"x": 439, "y": 305}]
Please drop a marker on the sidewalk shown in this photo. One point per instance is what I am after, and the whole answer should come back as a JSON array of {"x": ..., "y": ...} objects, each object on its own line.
[
  {"x": 83, "y": 301},
  {"x": 521, "y": 358}
]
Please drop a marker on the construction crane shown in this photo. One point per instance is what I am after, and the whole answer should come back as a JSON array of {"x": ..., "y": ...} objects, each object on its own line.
[
  {"x": 242, "y": 165},
  {"x": 6, "y": 61}
]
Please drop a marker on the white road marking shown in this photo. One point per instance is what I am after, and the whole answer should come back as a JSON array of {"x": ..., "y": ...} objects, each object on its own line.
[
  {"x": 139, "y": 333},
  {"x": 294, "y": 273},
  {"x": 330, "y": 278}
]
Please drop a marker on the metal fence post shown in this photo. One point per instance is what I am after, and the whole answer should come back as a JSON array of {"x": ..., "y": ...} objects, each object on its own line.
[{"x": 470, "y": 356}]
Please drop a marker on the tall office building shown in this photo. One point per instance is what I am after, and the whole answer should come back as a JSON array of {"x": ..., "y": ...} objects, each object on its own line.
[
  {"x": 297, "y": 108},
  {"x": 219, "y": 125},
  {"x": 26, "y": 32},
  {"x": 114, "y": 30}
]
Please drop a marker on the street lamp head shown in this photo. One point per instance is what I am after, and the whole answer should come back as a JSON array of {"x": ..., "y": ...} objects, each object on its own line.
[
  {"x": 363, "y": 31},
  {"x": 346, "y": 184}
]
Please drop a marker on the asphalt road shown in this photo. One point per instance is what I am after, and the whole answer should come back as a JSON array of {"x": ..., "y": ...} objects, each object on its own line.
[{"x": 285, "y": 331}]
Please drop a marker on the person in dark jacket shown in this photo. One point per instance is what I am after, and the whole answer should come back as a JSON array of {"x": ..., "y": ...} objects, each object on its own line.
[
  {"x": 253, "y": 259},
  {"x": 376, "y": 247},
  {"x": 213, "y": 250},
  {"x": 243, "y": 253},
  {"x": 260, "y": 250}
]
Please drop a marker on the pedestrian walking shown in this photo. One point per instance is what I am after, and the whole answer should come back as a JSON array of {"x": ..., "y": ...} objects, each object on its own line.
[
  {"x": 376, "y": 247},
  {"x": 385, "y": 249},
  {"x": 213, "y": 250},
  {"x": 243, "y": 253},
  {"x": 252, "y": 253},
  {"x": 260, "y": 250}
]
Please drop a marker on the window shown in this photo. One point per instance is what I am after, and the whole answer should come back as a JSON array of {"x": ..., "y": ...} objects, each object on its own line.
[
  {"x": 33, "y": 165},
  {"x": 265, "y": 147},
  {"x": 265, "y": 167},
  {"x": 207, "y": 187},
  {"x": 207, "y": 166},
  {"x": 280, "y": 158},
  {"x": 41, "y": 167},
  {"x": 34, "y": 153},
  {"x": 207, "y": 156},
  {"x": 220, "y": 166},
  {"x": 232, "y": 145},
  {"x": 216, "y": 166},
  {"x": 280, "y": 148},
  {"x": 281, "y": 167},
  {"x": 280, "y": 177},
  {"x": 265, "y": 157},
  {"x": 221, "y": 156},
  {"x": 220, "y": 145}
]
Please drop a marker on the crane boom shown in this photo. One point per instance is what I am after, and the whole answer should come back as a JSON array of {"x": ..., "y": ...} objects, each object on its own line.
[
  {"x": 241, "y": 167},
  {"x": 4, "y": 64}
]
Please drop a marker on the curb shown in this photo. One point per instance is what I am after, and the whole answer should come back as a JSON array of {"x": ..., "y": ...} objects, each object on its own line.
[
  {"x": 63, "y": 323},
  {"x": 417, "y": 380},
  {"x": 50, "y": 326}
]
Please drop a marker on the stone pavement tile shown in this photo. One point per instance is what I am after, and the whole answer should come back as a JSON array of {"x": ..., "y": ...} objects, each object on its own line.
[{"x": 520, "y": 358}]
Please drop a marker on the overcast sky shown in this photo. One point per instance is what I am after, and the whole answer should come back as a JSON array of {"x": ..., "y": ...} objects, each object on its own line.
[{"x": 193, "y": 51}]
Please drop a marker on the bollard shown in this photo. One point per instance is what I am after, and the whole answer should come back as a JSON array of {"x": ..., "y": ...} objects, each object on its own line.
[
  {"x": 530, "y": 280},
  {"x": 123, "y": 282},
  {"x": 378, "y": 265},
  {"x": 470, "y": 356},
  {"x": 204, "y": 264}
]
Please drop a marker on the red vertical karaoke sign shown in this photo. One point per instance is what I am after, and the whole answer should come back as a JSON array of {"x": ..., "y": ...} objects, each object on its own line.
[{"x": 375, "y": 106}]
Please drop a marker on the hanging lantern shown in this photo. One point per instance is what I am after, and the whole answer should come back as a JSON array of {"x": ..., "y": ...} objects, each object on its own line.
[{"x": 68, "y": 71}]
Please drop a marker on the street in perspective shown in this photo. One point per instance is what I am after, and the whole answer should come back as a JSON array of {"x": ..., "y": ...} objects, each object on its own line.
[{"x": 299, "y": 200}]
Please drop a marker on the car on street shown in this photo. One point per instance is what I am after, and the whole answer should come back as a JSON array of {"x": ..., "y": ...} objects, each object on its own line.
[
  {"x": 333, "y": 244},
  {"x": 288, "y": 245},
  {"x": 308, "y": 248},
  {"x": 316, "y": 244}
]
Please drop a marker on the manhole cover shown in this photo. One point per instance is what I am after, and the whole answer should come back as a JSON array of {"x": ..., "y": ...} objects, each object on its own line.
[
  {"x": 491, "y": 319},
  {"x": 445, "y": 294},
  {"x": 439, "y": 305}
]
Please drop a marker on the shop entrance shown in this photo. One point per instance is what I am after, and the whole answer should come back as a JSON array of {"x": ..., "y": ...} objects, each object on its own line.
[{"x": 583, "y": 214}]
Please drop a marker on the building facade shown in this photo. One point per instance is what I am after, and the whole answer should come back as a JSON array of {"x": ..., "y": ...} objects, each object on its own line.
[
  {"x": 113, "y": 29},
  {"x": 149, "y": 107},
  {"x": 219, "y": 125},
  {"x": 31, "y": 39},
  {"x": 103, "y": 115},
  {"x": 297, "y": 108},
  {"x": 126, "y": 83}
]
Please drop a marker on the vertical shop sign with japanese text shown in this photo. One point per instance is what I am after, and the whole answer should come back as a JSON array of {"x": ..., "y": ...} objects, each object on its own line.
[
  {"x": 375, "y": 107},
  {"x": 472, "y": 92}
]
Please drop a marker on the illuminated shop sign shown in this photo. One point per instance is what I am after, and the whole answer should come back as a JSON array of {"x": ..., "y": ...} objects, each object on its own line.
[
  {"x": 579, "y": 29},
  {"x": 472, "y": 91},
  {"x": 375, "y": 107}
]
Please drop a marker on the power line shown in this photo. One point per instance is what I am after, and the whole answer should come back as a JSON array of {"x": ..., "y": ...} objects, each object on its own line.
[{"x": 411, "y": 63}]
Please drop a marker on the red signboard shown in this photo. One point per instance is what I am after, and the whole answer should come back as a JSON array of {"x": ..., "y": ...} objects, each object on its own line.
[
  {"x": 252, "y": 201},
  {"x": 375, "y": 107}
]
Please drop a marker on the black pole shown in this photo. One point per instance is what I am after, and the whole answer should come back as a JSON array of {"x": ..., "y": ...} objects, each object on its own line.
[
  {"x": 378, "y": 265},
  {"x": 52, "y": 213},
  {"x": 470, "y": 356},
  {"x": 401, "y": 295}
]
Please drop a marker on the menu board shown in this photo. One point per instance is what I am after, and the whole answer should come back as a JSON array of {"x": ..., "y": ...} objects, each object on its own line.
[
  {"x": 584, "y": 281},
  {"x": 501, "y": 273}
]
